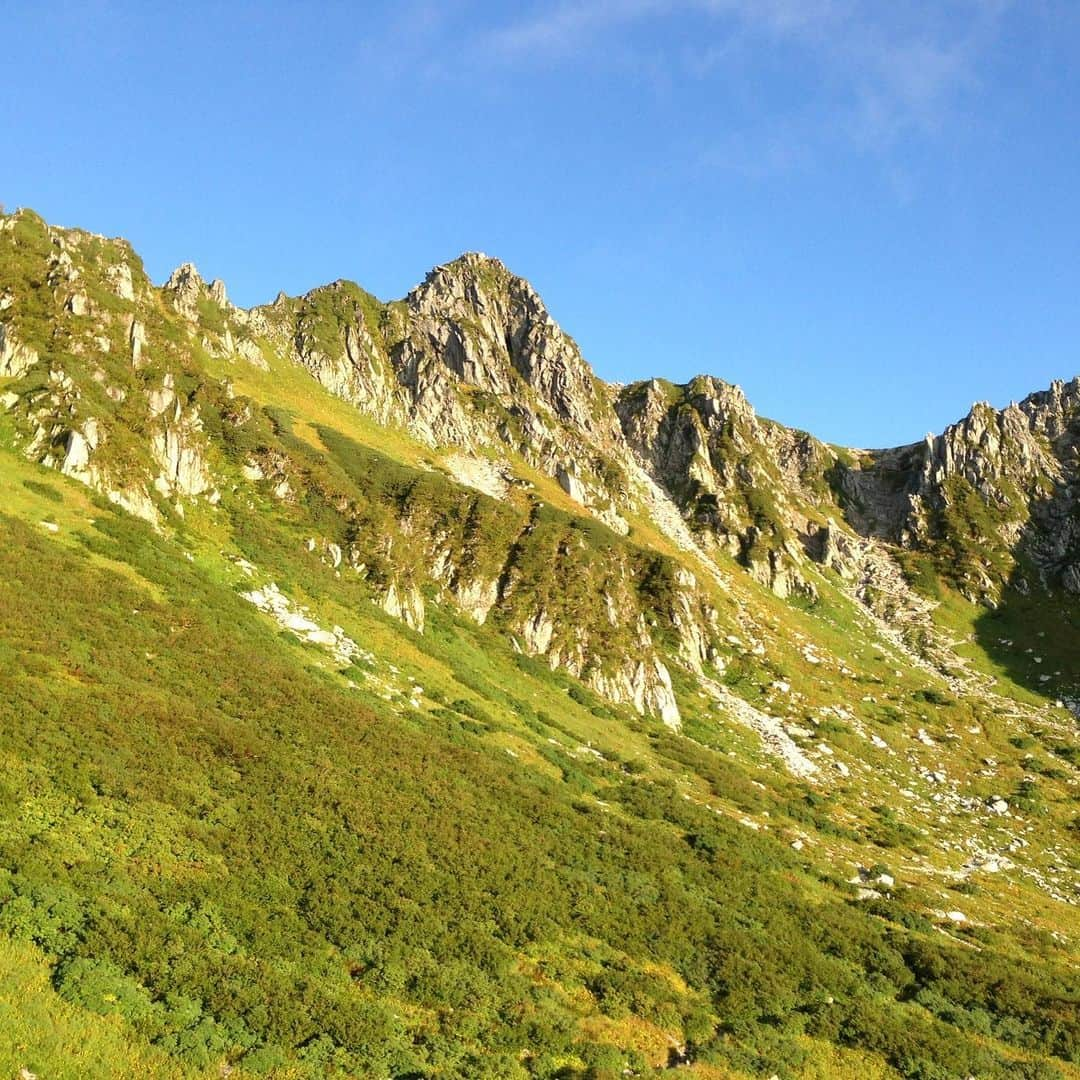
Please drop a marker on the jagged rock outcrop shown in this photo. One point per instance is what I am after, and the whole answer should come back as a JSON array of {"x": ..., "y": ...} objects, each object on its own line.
[
  {"x": 185, "y": 288},
  {"x": 177, "y": 452},
  {"x": 475, "y": 324},
  {"x": 475, "y": 596},
  {"x": 136, "y": 341},
  {"x": 405, "y": 603},
  {"x": 1005, "y": 481},
  {"x": 16, "y": 359},
  {"x": 742, "y": 483},
  {"x": 331, "y": 334},
  {"x": 77, "y": 450},
  {"x": 119, "y": 277},
  {"x": 470, "y": 358},
  {"x": 644, "y": 684}
]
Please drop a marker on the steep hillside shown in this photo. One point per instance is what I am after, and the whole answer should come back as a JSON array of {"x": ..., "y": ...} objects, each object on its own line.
[{"x": 385, "y": 695}]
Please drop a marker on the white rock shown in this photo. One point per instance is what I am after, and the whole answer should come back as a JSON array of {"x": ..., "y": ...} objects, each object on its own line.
[
  {"x": 480, "y": 473},
  {"x": 137, "y": 341},
  {"x": 538, "y": 632},
  {"x": 570, "y": 483},
  {"x": 119, "y": 278},
  {"x": 405, "y": 604},
  {"x": 15, "y": 359},
  {"x": 76, "y": 456},
  {"x": 252, "y": 354}
]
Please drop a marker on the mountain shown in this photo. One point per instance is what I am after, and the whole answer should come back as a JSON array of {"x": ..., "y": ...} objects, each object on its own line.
[{"x": 387, "y": 695}]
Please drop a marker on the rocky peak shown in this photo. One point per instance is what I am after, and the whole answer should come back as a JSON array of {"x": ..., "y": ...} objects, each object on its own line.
[
  {"x": 745, "y": 485},
  {"x": 472, "y": 358},
  {"x": 718, "y": 399},
  {"x": 999, "y": 481},
  {"x": 1053, "y": 412},
  {"x": 694, "y": 414},
  {"x": 186, "y": 288},
  {"x": 218, "y": 293},
  {"x": 987, "y": 445},
  {"x": 185, "y": 278},
  {"x": 336, "y": 331},
  {"x": 489, "y": 327},
  {"x": 461, "y": 275}
]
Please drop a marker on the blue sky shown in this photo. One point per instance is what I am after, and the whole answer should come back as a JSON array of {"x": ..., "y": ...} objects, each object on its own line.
[{"x": 864, "y": 213}]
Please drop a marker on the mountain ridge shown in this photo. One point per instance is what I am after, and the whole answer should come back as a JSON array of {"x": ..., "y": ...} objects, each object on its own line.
[
  {"x": 472, "y": 267},
  {"x": 475, "y": 257},
  {"x": 385, "y": 694},
  {"x": 470, "y": 358}
]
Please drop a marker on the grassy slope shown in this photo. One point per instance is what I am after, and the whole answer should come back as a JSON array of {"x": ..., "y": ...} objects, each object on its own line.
[
  {"x": 130, "y": 761},
  {"x": 54, "y": 1038}
]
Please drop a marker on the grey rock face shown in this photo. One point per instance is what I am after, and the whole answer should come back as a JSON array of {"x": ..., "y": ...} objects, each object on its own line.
[
  {"x": 186, "y": 288},
  {"x": 76, "y": 455},
  {"x": 475, "y": 323},
  {"x": 16, "y": 359},
  {"x": 137, "y": 341},
  {"x": 119, "y": 277},
  {"x": 349, "y": 361},
  {"x": 644, "y": 684},
  {"x": 405, "y": 603},
  {"x": 1020, "y": 463},
  {"x": 470, "y": 358},
  {"x": 178, "y": 453},
  {"x": 738, "y": 479}
]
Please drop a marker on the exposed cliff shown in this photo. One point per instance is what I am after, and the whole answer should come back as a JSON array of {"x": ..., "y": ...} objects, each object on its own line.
[{"x": 994, "y": 497}]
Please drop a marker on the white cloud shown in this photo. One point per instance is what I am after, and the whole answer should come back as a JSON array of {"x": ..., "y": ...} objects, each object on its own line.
[
  {"x": 878, "y": 73},
  {"x": 563, "y": 31}
]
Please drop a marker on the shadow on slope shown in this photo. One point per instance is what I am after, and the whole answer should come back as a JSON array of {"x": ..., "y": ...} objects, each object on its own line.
[{"x": 1034, "y": 632}]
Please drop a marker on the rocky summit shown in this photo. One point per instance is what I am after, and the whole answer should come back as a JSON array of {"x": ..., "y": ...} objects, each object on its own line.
[{"x": 387, "y": 695}]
